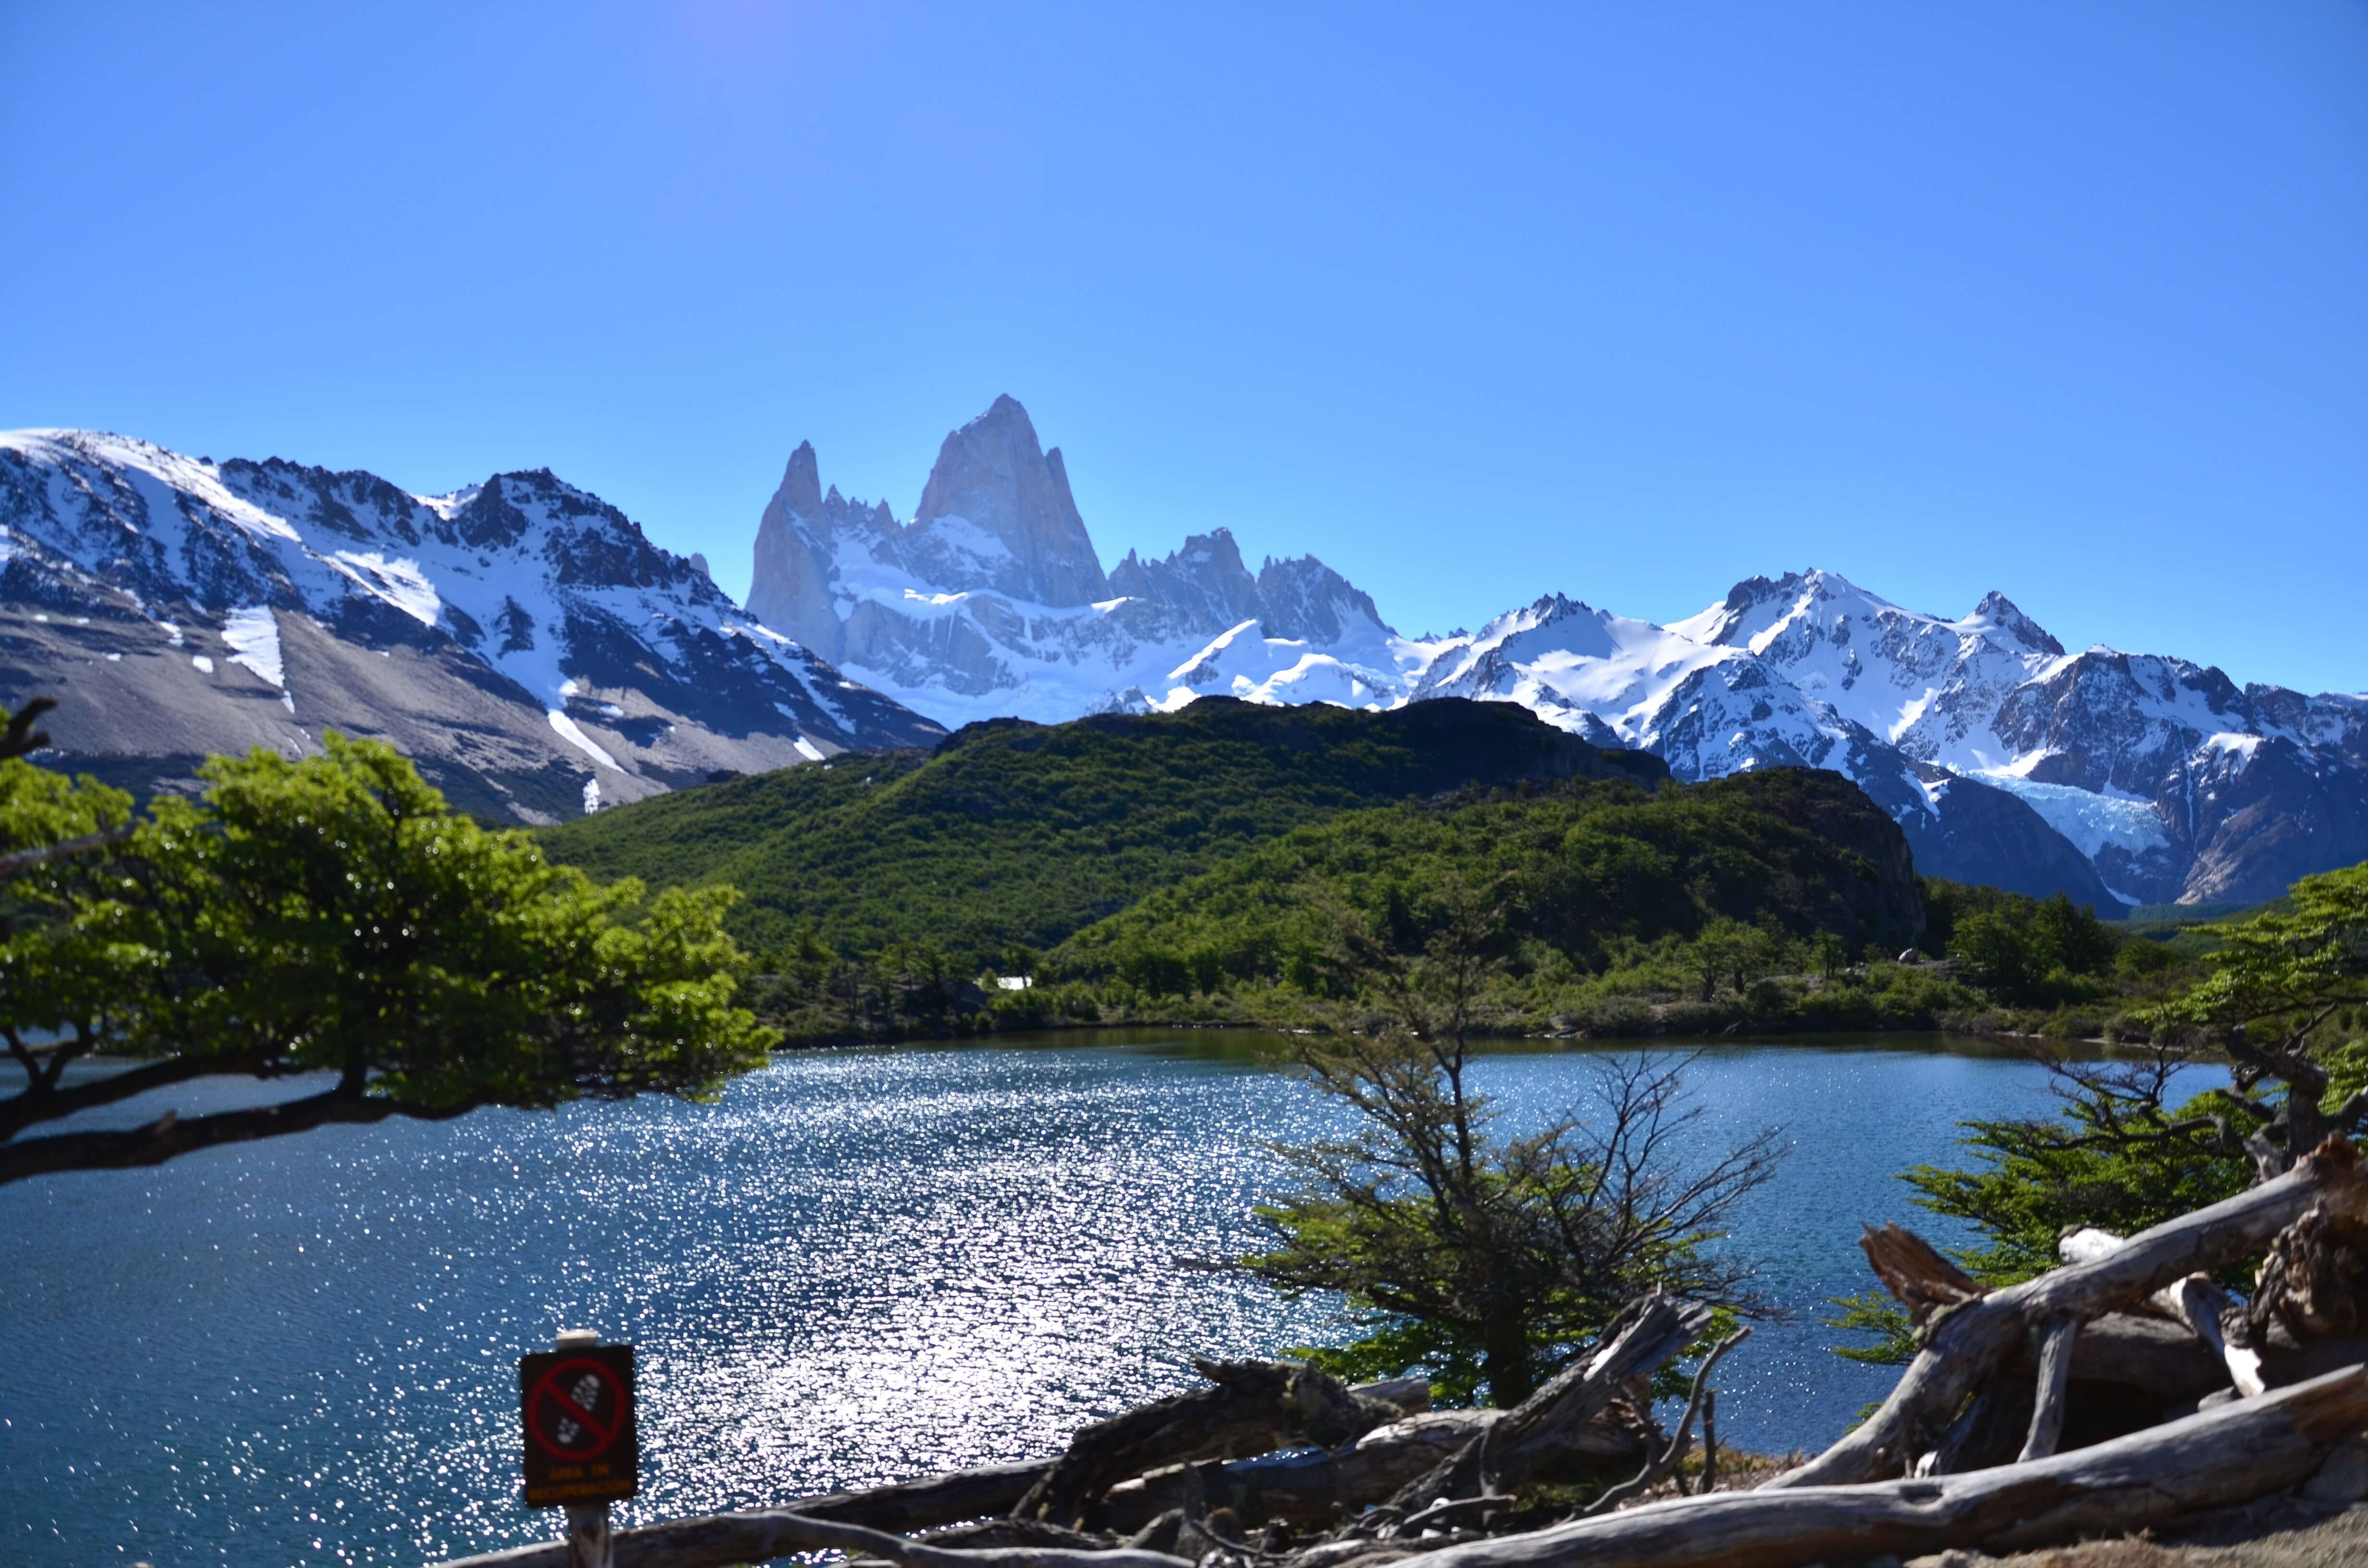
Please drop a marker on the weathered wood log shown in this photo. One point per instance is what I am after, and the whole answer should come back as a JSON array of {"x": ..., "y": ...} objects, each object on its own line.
[
  {"x": 2197, "y": 1302},
  {"x": 902, "y": 1508},
  {"x": 2147, "y": 1353},
  {"x": 2205, "y": 1307},
  {"x": 1914, "y": 1273},
  {"x": 2219, "y": 1458},
  {"x": 1964, "y": 1343},
  {"x": 1254, "y": 1407},
  {"x": 1545, "y": 1427},
  {"x": 755, "y": 1538},
  {"x": 2055, "y": 1378},
  {"x": 1304, "y": 1489}
]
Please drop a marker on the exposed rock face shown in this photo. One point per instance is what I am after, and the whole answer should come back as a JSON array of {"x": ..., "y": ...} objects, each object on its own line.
[
  {"x": 522, "y": 640},
  {"x": 993, "y": 485},
  {"x": 791, "y": 589},
  {"x": 993, "y": 601}
]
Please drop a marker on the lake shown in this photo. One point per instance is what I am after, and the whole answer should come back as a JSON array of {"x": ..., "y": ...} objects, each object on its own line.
[{"x": 859, "y": 1265}]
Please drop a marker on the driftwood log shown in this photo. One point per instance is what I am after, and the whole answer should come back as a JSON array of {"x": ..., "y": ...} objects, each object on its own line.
[
  {"x": 1965, "y": 1341},
  {"x": 1545, "y": 1427},
  {"x": 1254, "y": 1407},
  {"x": 2228, "y": 1455},
  {"x": 903, "y": 1507},
  {"x": 1305, "y": 1489},
  {"x": 2197, "y": 1302}
]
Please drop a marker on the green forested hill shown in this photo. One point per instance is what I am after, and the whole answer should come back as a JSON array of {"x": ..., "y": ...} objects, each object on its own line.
[
  {"x": 1583, "y": 875},
  {"x": 1017, "y": 832}
]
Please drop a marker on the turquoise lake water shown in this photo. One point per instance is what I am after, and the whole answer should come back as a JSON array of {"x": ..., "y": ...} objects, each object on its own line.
[{"x": 860, "y": 1266}]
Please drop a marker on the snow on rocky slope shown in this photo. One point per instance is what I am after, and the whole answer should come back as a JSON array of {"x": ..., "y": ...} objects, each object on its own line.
[
  {"x": 2166, "y": 781},
  {"x": 520, "y": 639},
  {"x": 2007, "y": 759},
  {"x": 992, "y": 601}
]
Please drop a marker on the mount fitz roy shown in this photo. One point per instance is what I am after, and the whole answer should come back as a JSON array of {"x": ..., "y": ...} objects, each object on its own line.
[
  {"x": 538, "y": 656},
  {"x": 2119, "y": 778},
  {"x": 520, "y": 640}
]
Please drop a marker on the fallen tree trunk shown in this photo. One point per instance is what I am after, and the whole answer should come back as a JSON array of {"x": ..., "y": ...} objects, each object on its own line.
[
  {"x": 2219, "y": 1458},
  {"x": 1545, "y": 1427},
  {"x": 716, "y": 1539},
  {"x": 902, "y": 1508},
  {"x": 1304, "y": 1489},
  {"x": 1964, "y": 1342},
  {"x": 2197, "y": 1302},
  {"x": 1254, "y": 1407}
]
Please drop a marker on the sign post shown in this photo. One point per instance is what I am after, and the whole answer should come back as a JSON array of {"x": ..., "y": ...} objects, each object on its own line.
[{"x": 576, "y": 1404}]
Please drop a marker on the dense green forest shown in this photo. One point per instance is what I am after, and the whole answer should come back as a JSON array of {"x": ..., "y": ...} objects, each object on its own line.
[
  {"x": 1205, "y": 865},
  {"x": 1015, "y": 834}
]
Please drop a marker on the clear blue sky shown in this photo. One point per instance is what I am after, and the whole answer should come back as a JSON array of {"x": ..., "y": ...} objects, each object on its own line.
[{"x": 1475, "y": 303}]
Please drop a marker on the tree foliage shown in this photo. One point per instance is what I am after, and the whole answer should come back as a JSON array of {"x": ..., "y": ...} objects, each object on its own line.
[
  {"x": 1481, "y": 1258},
  {"x": 2285, "y": 1002},
  {"x": 332, "y": 915},
  {"x": 1019, "y": 832}
]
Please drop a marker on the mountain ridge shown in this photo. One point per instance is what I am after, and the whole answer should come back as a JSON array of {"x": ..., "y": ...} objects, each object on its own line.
[
  {"x": 538, "y": 656},
  {"x": 522, "y": 639},
  {"x": 2122, "y": 779}
]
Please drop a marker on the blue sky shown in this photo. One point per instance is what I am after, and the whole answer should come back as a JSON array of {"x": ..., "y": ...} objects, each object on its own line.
[{"x": 1476, "y": 302}]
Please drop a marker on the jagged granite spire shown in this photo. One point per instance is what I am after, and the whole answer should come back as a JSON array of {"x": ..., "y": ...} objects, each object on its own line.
[
  {"x": 994, "y": 475},
  {"x": 790, "y": 589}
]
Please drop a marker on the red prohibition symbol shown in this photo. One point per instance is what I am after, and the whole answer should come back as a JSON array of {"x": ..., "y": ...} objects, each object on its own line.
[{"x": 578, "y": 1409}]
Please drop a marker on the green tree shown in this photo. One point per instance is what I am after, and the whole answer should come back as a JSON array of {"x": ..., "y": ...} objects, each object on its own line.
[
  {"x": 1831, "y": 954},
  {"x": 1721, "y": 950},
  {"x": 2286, "y": 1001},
  {"x": 334, "y": 915},
  {"x": 1996, "y": 951},
  {"x": 1484, "y": 1259}
]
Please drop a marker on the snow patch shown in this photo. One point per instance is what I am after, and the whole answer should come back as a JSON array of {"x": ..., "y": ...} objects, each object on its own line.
[
  {"x": 203, "y": 663},
  {"x": 591, "y": 796},
  {"x": 573, "y": 733},
  {"x": 399, "y": 582},
  {"x": 252, "y": 634},
  {"x": 808, "y": 750}
]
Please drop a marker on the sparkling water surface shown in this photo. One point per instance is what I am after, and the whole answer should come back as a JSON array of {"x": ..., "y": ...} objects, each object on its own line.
[{"x": 859, "y": 1267}]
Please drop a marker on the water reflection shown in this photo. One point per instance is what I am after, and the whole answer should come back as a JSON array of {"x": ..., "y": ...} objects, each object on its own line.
[{"x": 859, "y": 1265}]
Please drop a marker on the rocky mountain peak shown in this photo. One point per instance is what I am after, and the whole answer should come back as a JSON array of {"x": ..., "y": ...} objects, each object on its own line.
[
  {"x": 1205, "y": 579},
  {"x": 801, "y": 488},
  {"x": 1304, "y": 598},
  {"x": 994, "y": 475},
  {"x": 2002, "y": 613}
]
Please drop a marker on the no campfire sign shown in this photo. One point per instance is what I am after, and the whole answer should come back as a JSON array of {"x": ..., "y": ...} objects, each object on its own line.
[{"x": 577, "y": 1407}]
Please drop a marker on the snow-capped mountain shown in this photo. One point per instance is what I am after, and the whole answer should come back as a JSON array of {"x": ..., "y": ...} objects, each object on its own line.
[
  {"x": 521, "y": 639},
  {"x": 538, "y": 656},
  {"x": 1710, "y": 709},
  {"x": 992, "y": 600},
  {"x": 2165, "y": 781},
  {"x": 2005, "y": 759}
]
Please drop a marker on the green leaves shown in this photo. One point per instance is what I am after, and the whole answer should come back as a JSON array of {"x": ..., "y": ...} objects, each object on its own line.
[
  {"x": 2306, "y": 958},
  {"x": 333, "y": 913}
]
